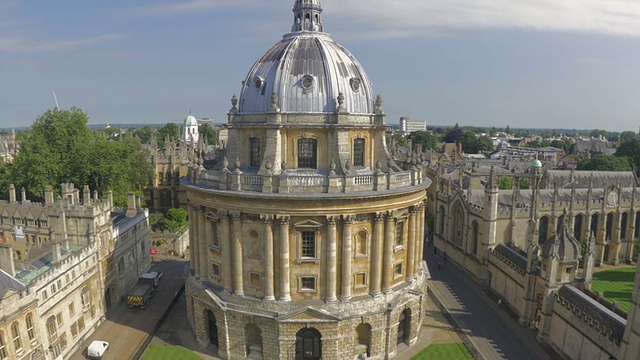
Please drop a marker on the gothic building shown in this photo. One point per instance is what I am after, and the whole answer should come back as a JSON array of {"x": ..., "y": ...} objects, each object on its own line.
[
  {"x": 63, "y": 264},
  {"x": 306, "y": 237}
]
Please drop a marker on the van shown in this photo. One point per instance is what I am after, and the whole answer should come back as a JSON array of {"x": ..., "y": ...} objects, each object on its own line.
[{"x": 97, "y": 349}]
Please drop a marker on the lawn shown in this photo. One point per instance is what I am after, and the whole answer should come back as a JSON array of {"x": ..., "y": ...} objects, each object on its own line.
[
  {"x": 163, "y": 352},
  {"x": 451, "y": 351},
  {"x": 617, "y": 285}
]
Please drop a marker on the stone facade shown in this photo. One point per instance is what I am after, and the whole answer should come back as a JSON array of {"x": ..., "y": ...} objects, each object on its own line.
[{"x": 57, "y": 264}]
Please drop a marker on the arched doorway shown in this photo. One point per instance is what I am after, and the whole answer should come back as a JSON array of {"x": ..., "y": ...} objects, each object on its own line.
[
  {"x": 308, "y": 344},
  {"x": 404, "y": 327},
  {"x": 213, "y": 328},
  {"x": 363, "y": 338},
  {"x": 253, "y": 341}
]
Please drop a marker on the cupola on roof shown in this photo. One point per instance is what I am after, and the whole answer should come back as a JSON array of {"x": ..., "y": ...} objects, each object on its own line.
[
  {"x": 190, "y": 120},
  {"x": 308, "y": 71}
]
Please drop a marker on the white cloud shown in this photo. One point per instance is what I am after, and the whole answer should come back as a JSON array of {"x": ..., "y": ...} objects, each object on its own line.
[
  {"x": 415, "y": 18},
  {"x": 20, "y": 44}
]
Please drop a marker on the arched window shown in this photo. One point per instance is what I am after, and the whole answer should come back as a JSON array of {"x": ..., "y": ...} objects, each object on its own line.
[
  {"x": 3, "y": 350},
  {"x": 30, "y": 332},
  {"x": 165, "y": 198},
  {"x": 623, "y": 226},
  {"x": 308, "y": 153},
  {"x": 255, "y": 152},
  {"x": 358, "y": 152},
  {"x": 458, "y": 224},
  {"x": 361, "y": 243},
  {"x": 475, "y": 229},
  {"x": 577, "y": 228},
  {"x": 441, "y": 222},
  {"x": 543, "y": 227},
  {"x": 307, "y": 18},
  {"x": 560, "y": 224},
  {"x": 404, "y": 327},
  {"x": 609, "y": 226},
  {"x": 363, "y": 338},
  {"x": 594, "y": 224},
  {"x": 15, "y": 334},
  {"x": 308, "y": 344},
  {"x": 253, "y": 340},
  {"x": 637, "y": 230},
  {"x": 52, "y": 328},
  {"x": 85, "y": 298},
  {"x": 213, "y": 328}
]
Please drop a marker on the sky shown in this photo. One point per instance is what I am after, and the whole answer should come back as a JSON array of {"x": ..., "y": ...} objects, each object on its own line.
[{"x": 571, "y": 64}]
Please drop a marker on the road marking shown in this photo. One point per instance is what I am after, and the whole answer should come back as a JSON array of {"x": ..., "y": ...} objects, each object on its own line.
[{"x": 164, "y": 336}]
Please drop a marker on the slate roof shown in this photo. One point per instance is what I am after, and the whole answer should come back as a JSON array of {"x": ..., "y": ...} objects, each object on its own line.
[{"x": 511, "y": 255}]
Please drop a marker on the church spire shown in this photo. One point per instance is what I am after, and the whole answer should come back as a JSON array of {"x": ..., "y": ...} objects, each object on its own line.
[{"x": 307, "y": 16}]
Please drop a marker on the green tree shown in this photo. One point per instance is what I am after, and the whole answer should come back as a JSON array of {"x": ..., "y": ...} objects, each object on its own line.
[
  {"x": 170, "y": 131},
  {"x": 630, "y": 147},
  {"x": 606, "y": 163},
  {"x": 209, "y": 134},
  {"x": 55, "y": 151},
  {"x": 484, "y": 143},
  {"x": 469, "y": 143},
  {"x": 398, "y": 138},
  {"x": 429, "y": 141},
  {"x": 144, "y": 134},
  {"x": 505, "y": 183},
  {"x": 454, "y": 135}
]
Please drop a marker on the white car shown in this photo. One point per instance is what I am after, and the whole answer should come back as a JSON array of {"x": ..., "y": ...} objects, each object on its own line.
[{"x": 97, "y": 349}]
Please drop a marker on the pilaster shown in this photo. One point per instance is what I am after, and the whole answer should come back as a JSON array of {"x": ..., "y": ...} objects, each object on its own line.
[
  {"x": 376, "y": 254},
  {"x": 268, "y": 258},
  {"x": 236, "y": 253},
  {"x": 346, "y": 257},
  {"x": 285, "y": 289},
  {"x": 389, "y": 241},
  {"x": 332, "y": 270}
]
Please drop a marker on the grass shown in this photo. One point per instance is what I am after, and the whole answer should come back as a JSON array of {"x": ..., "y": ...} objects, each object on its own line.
[
  {"x": 163, "y": 352},
  {"x": 451, "y": 351},
  {"x": 617, "y": 285}
]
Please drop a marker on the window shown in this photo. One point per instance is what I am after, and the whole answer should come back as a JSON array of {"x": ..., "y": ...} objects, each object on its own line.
[
  {"x": 308, "y": 153},
  {"x": 400, "y": 234},
  {"x": 255, "y": 152},
  {"x": 15, "y": 334},
  {"x": 59, "y": 318},
  {"x": 52, "y": 328},
  {"x": 215, "y": 270},
  {"x": 360, "y": 280},
  {"x": 361, "y": 244},
  {"x": 308, "y": 284},
  {"x": 30, "y": 332},
  {"x": 358, "y": 152},
  {"x": 397, "y": 270},
  {"x": 81, "y": 323},
  {"x": 3, "y": 350},
  {"x": 85, "y": 298},
  {"x": 308, "y": 244},
  {"x": 63, "y": 341},
  {"x": 74, "y": 330},
  {"x": 254, "y": 280},
  {"x": 215, "y": 241}
]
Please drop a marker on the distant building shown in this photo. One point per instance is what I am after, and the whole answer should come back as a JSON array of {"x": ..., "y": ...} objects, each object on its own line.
[
  {"x": 408, "y": 126},
  {"x": 590, "y": 147}
]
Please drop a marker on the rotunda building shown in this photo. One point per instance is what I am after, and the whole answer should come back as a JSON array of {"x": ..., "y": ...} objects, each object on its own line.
[{"x": 306, "y": 236}]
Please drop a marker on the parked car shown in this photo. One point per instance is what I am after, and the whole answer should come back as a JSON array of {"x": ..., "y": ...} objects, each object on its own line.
[{"x": 97, "y": 348}]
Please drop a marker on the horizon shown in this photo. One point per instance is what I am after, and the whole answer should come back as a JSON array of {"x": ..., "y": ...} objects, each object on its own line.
[{"x": 478, "y": 63}]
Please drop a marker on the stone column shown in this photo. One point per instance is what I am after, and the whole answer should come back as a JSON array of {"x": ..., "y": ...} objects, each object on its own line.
[
  {"x": 411, "y": 248},
  {"x": 376, "y": 254},
  {"x": 236, "y": 253},
  {"x": 285, "y": 290},
  {"x": 389, "y": 243},
  {"x": 346, "y": 257},
  {"x": 268, "y": 258},
  {"x": 204, "y": 232},
  {"x": 192, "y": 239},
  {"x": 420, "y": 240},
  {"x": 332, "y": 262},
  {"x": 225, "y": 244}
]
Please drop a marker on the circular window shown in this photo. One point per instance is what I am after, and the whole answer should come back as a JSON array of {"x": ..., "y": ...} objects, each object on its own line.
[
  {"x": 307, "y": 81},
  {"x": 259, "y": 82},
  {"x": 355, "y": 84}
]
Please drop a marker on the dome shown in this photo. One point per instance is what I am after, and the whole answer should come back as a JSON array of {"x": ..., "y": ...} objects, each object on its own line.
[
  {"x": 536, "y": 163},
  {"x": 308, "y": 71},
  {"x": 190, "y": 121}
]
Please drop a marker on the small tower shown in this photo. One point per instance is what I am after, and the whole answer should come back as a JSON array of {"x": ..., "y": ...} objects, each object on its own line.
[
  {"x": 307, "y": 16},
  {"x": 190, "y": 129},
  {"x": 559, "y": 258},
  {"x": 491, "y": 216}
]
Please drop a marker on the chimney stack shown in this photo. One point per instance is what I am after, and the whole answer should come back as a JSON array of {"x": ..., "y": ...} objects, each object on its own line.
[
  {"x": 57, "y": 252},
  {"x": 86, "y": 195},
  {"x": 12, "y": 193},
  {"x": 24, "y": 195},
  {"x": 48, "y": 195},
  {"x": 132, "y": 210},
  {"x": 6, "y": 260}
]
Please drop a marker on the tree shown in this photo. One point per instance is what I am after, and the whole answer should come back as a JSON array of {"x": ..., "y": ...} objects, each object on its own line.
[
  {"x": 505, "y": 183},
  {"x": 484, "y": 143},
  {"x": 170, "y": 131},
  {"x": 209, "y": 134},
  {"x": 61, "y": 148},
  {"x": 399, "y": 139},
  {"x": 469, "y": 143},
  {"x": 429, "y": 141},
  {"x": 606, "y": 163},
  {"x": 144, "y": 134},
  {"x": 630, "y": 147},
  {"x": 454, "y": 135}
]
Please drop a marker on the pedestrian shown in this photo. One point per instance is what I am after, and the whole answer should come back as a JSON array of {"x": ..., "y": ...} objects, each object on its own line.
[{"x": 439, "y": 265}]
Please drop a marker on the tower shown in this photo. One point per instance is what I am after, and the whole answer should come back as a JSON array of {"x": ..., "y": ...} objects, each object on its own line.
[
  {"x": 306, "y": 238},
  {"x": 190, "y": 132}
]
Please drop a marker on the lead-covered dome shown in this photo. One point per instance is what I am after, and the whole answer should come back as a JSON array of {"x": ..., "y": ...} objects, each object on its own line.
[{"x": 308, "y": 71}]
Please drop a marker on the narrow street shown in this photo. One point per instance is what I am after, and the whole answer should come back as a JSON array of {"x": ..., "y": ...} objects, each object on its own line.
[
  {"x": 489, "y": 327},
  {"x": 128, "y": 330}
]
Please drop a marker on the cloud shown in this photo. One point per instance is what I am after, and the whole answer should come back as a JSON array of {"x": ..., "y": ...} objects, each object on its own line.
[
  {"x": 417, "y": 18},
  {"x": 186, "y": 7},
  {"x": 20, "y": 44}
]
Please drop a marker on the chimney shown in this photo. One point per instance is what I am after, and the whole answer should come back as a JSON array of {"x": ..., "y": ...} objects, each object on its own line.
[
  {"x": 23, "y": 195},
  {"x": 110, "y": 197},
  {"x": 57, "y": 252},
  {"x": 132, "y": 210},
  {"x": 6, "y": 260},
  {"x": 48, "y": 195},
  {"x": 12, "y": 193}
]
